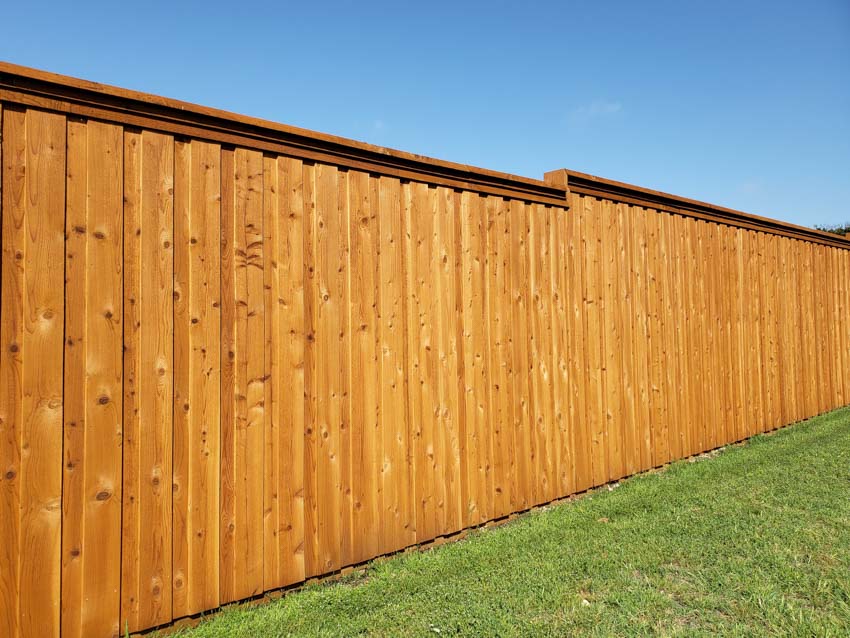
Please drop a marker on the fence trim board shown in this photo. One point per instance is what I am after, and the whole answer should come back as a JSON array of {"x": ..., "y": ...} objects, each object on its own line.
[
  {"x": 32, "y": 87},
  {"x": 602, "y": 188}
]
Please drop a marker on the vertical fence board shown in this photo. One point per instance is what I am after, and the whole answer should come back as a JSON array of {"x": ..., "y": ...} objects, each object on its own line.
[
  {"x": 397, "y": 529},
  {"x": 272, "y": 560},
  {"x": 197, "y": 338},
  {"x": 593, "y": 342},
  {"x": 31, "y": 403},
  {"x": 148, "y": 385},
  {"x": 93, "y": 380},
  {"x": 11, "y": 128},
  {"x": 312, "y": 561},
  {"x": 364, "y": 370},
  {"x": 243, "y": 378},
  {"x": 612, "y": 342},
  {"x": 519, "y": 324},
  {"x": 448, "y": 356},
  {"x": 499, "y": 410},
  {"x": 656, "y": 366},
  {"x": 421, "y": 337},
  {"x": 334, "y": 514},
  {"x": 560, "y": 353},
  {"x": 290, "y": 345}
]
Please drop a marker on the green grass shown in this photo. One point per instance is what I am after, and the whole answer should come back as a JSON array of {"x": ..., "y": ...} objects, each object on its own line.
[{"x": 753, "y": 541}]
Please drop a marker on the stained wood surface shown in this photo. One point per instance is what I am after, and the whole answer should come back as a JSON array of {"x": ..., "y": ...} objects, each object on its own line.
[
  {"x": 91, "y": 560},
  {"x": 224, "y": 372},
  {"x": 31, "y": 371}
]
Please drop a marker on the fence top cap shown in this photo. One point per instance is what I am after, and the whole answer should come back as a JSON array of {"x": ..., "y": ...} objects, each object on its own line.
[
  {"x": 603, "y": 188},
  {"x": 51, "y": 90}
]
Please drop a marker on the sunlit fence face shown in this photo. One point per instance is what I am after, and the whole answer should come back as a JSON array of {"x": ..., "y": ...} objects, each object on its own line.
[{"x": 232, "y": 359}]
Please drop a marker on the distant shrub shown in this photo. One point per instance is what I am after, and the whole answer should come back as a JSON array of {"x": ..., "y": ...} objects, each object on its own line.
[{"x": 837, "y": 230}]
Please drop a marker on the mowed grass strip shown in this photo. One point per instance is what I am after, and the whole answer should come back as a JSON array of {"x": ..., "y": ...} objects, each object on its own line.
[{"x": 753, "y": 540}]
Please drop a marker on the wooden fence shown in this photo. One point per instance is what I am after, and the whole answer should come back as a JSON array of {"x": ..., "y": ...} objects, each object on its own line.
[{"x": 236, "y": 355}]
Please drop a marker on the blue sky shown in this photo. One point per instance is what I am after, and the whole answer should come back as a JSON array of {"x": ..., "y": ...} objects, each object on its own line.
[{"x": 742, "y": 104}]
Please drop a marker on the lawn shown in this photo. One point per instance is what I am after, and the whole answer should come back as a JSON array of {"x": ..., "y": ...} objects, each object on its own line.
[{"x": 750, "y": 540}]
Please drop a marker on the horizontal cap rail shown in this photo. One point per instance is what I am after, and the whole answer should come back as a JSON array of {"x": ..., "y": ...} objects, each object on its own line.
[
  {"x": 591, "y": 185},
  {"x": 31, "y": 87}
]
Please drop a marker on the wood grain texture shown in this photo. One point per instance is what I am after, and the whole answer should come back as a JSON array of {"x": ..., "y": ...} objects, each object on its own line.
[
  {"x": 364, "y": 378},
  {"x": 197, "y": 372},
  {"x": 31, "y": 378},
  {"x": 243, "y": 379},
  {"x": 260, "y": 368},
  {"x": 397, "y": 514},
  {"x": 93, "y": 370},
  {"x": 291, "y": 345},
  {"x": 148, "y": 380}
]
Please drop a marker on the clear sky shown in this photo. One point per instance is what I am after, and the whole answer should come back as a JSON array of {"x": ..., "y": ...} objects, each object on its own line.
[{"x": 742, "y": 104}]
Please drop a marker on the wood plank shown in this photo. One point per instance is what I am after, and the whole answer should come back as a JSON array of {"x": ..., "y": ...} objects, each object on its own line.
[
  {"x": 810, "y": 362},
  {"x": 626, "y": 287},
  {"x": 679, "y": 286},
  {"x": 537, "y": 366},
  {"x": 448, "y": 269},
  {"x": 833, "y": 322},
  {"x": 249, "y": 206},
  {"x": 148, "y": 380},
  {"x": 698, "y": 342},
  {"x": 789, "y": 345},
  {"x": 611, "y": 341},
  {"x": 774, "y": 337},
  {"x": 312, "y": 561},
  {"x": 41, "y": 374},
  {"x": 423, "y": 378},
  {"x": 475, "y": 396},
  {"x": 91, "y": 526},
  {"x": 667, "y": 334},
  {"x": 523, "y": 495},
  {"x": 397, "y": 517},
  {"x": 31, "y": 371},
  {"x": 740, "y": 335},
  {"x": 544, "y": 254},
  {"x": 642, "y": 350},
  {"x": 227, "y": 483},
  {"x": 434, "y": 356},
  {"x": 729, "y": 343},
  {"x": 844, "y": 292},
  {"x": 331, "y": 367},
  {"x": 75, "y": 381},
  {"x": 658, "y": 444},
  {"x": 816, "y": 330},
  {"x": 364, "y": 373},
  {"x": 500, "y": 427},
  {"x": 843, "y": 310},
  {"x": 197, "y": 367},
  {"x": 344, "y": 362},
  {"x": 714, "y": 430},
  {"x": 836, "y": 387},
  {"x": 593, "y": 321},
  {"x": 11, "y": 229},
  {"x": 272, "y": 562},
  {"x": 243, "y": 436},
  {"x": 291, "y": 351},
  {"x": 560, "y": 351},
  {"x": 180, "y": 560},
  {"x": 764, "y": 333},
  {"x": 131, "y": 470},
  {"x": 759, "y": 322},
  {"x": 482, "y": 340}
]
